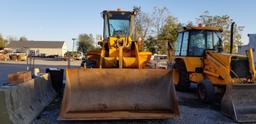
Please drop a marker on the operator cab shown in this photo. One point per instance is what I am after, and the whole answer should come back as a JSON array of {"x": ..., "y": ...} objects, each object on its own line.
[
  {"x": 195, "y": 40},
  {"x": 118, "y": 23}
]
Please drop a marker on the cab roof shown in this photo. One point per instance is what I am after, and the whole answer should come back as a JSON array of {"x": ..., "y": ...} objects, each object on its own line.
[
  {"x": 206, "y": 28},
  {"x": 118, "y": 11}
]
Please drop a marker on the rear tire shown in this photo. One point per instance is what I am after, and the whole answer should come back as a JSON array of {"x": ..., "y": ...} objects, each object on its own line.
[
  {"x": 183, "y": 83},
  {"x": 206, "y": 92}
]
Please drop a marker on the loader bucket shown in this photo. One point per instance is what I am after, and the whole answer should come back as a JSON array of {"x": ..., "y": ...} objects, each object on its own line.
[
  {"x": 113, "y": 94},
  {"x": 239, "y": 102}
]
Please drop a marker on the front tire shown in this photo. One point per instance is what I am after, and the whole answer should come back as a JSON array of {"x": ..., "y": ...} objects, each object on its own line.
[
  {"x": 183, "y": 83},
  {"x": 206, "y": 92}
]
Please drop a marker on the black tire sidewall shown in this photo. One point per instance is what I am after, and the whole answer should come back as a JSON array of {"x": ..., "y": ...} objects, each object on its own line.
[
  {"x": 210, "y": 92},
  {"x": 183, "y": 83}
]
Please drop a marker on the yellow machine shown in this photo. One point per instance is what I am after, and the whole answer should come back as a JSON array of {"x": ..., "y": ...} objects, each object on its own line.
[
  {"x": 114, "y": 83},
  {"x": 199, "y": 58}
]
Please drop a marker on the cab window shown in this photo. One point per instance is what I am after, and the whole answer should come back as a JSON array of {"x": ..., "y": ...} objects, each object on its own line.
[
  {"x": 210, "y": 40},
  {"x": 216, "y": 39},
  {"x": 197, "y": 43},
  {"x": 117, "y": 24},
  {"x": 178, "y": 44},
  {"x": 119, "y": 27},
  {"x": 184, "y": 46}
]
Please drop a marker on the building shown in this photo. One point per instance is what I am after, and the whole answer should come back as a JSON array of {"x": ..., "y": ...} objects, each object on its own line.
[
  {"x": 252, "y": 44},
  {"x": 39, "y": 48}
]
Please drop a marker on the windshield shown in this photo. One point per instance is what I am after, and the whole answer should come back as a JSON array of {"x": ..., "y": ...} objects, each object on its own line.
[
  {"x": 119, "y": 27},
  {"x": 197, "y": 43},
  {"x": 201, "y": 40}
]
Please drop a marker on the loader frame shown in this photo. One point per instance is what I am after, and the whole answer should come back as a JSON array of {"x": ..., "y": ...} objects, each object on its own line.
[
  {"x": 215, "y": 72},
  {"x": 117, "y": 84}
]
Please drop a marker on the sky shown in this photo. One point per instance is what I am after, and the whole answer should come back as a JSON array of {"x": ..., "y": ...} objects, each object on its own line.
[{"x": 62, "y": 20}]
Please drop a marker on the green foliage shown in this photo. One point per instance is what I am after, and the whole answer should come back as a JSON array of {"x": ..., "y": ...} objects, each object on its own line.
[
  {"x": 143, "y": 23},
  {"x": 71, "y": 53},
  {"x": 3, "y": 42},
  {"x": 168, "y": 33},
  {"x": 148, "y": 26},
  {"x": 150, "y": 23},
  {"x": 11, "y": 38},
  {"x": 156, "y": 29},
  {"x": 151, "y": 44},
  {"x": 223, "y": 22},
  {"x": 85, "y": 43},
  {"x": 159, "y": 18},
  {"x": 23, "y": 38}
]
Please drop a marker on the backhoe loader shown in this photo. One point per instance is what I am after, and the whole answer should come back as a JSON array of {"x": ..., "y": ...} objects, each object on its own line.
[
  {"x": 114, "y": 82},
  {"x": 199, "y": 59}
]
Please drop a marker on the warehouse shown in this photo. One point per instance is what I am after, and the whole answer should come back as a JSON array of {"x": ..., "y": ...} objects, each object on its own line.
[
  {"x": 252, "y": 44},
  {"x": 39, "y": 48}
]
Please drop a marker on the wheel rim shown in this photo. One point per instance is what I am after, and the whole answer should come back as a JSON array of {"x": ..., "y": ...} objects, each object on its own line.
[{"x": 202, "y": 92}]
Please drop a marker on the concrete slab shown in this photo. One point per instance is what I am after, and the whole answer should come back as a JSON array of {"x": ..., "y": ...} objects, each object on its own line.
[
  {"x": 22, "y": 103},
  {"x": 19, "y": 77}
]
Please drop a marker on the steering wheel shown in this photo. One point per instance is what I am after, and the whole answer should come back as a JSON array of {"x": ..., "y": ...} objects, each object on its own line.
[{"x": 118, "y": 33}]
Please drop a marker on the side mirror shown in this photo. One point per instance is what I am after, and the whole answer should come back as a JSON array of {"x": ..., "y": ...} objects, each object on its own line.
[
  {"x": 170, "y": 45},
  {"x": 99, "y": 38},
  {"x": 139, "y": 39},
  {"x": 140, "y": 43},
  {"x": 100, "y": 43}
]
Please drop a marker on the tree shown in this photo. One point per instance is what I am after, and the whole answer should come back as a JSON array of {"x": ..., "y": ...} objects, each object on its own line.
[
  {"x": 85, "y": 43},
  {"x": 223, "y": 22},
  {"x": 23, "y": 38},
  {"x": 168, "y": 33},
  {"x": 189, "y": 24},
  {"x": 151, "y": 44},
  {"x": 159, "y": 17},
  {"x": 3, "y": 42},
  {"x": 11, "y": 38},
  {"x": 151, "y": 23},
  {"x": 143, "y": 23},
  {"x": 153, "y": 28}
]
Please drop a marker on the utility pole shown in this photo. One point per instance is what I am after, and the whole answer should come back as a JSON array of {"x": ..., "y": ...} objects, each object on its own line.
[{"x": 73, "y": 44}]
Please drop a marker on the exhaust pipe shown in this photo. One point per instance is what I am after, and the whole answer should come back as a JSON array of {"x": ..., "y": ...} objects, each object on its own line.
[{"x": 232, "y": 37}]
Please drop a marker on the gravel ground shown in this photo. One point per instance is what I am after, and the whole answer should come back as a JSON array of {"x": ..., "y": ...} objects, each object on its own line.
[{"x": 192, "y": 112}]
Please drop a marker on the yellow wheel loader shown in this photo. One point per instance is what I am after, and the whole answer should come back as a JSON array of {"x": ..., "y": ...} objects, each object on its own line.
[
  {"x": 114, "y": 83},
  {"x": 199, "y": 59}
]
